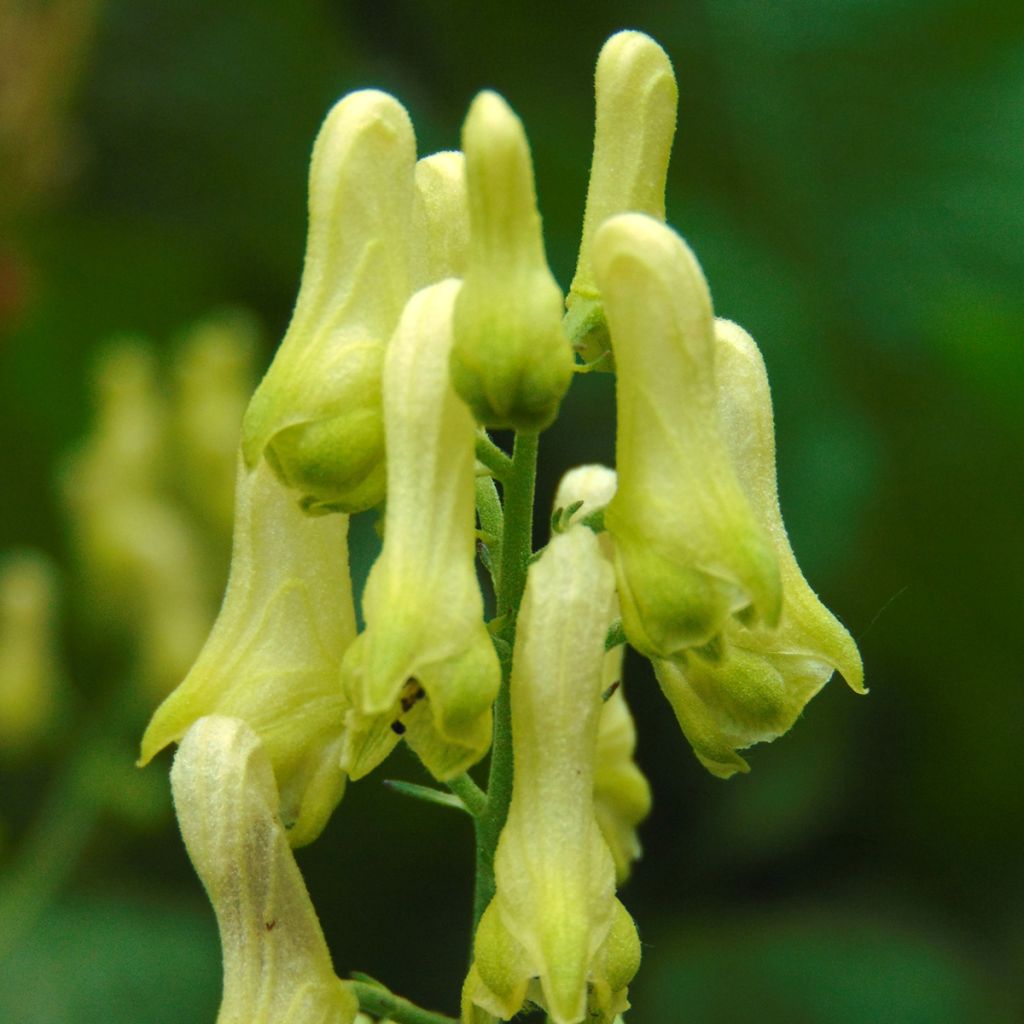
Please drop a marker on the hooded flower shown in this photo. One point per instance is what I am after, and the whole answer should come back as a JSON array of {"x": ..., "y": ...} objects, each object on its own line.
[
  {"x": 511, "y": 363},
  {"x": 272, "y": 657},
  {"x": 554, "y": 932},
  {"x": 622, "y": 796},
  {"x": 277, "y": 969},
  {"x": 317, "y": 413},
  {"x": 425, "y": 666},
  {"x": 689, "y": 553},
  {"x": 440, "y": 220},
  {"x": 636, "y": 99},
  {"x": 761, "y": 679}
]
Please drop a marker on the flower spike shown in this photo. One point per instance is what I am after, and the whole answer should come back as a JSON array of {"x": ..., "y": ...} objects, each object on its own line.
[
  {"x": 636, "y": 99},
  {"x": 317, "y": 413},
  {"x": 511, "y": 363},
  {"x": 554, "y": 916},
  {"x": 425, "y": 666},
  {"x": 689, "y": 552},
  {"x": 272, "y": 657},
  {"x": 762, "y": 680},
  {"x": 277, "y": 969}
]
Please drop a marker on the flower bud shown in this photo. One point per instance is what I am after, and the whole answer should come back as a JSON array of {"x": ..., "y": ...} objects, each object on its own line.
[
  {"x": 425, "y": 666},
  {"x": 636, "y": 99},
  {"x": 511, "y": 362},
  {"x": 272, "y": 657},
  {"x": 689, "y": 552},
  {"x": 277, "y": 968},
  {"x": 762, "y": 678},
  {"x": 554, "y": 916},
  {"x": 440, "y": 220},
  {"x": 317, "y": 413}
]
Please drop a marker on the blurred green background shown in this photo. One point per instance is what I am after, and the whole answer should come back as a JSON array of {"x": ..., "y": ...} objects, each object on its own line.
[{"x": 851, "y": 174}]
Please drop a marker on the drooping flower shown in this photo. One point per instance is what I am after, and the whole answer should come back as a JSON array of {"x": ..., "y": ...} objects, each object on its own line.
[
  {"x": 689, "y": 552},
  {"x": 636, "y": 100},
  {"x": 554, "y": 931},
  {"x": 622, "y": 795},
  {"x": 277, "y": 969},
  {"x": 317, "y": 413},
  {"x": 761, "y": 678},
  {"x": 425, "y": 666},
  {"x": 511, "y": 362},
  {"x": 272, "y": 657}
]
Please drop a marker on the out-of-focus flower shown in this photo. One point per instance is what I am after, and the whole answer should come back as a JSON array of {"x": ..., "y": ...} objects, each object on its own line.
[{"x": 29, "y": 671}]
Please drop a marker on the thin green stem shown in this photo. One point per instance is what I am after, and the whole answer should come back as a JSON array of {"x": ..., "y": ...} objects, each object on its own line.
[
  {"x": 516, "y": 545},
  {"x": 472, "y": 796},
  {"x": 492, "y": 456},
  {"x": 379, "y": 1002}
]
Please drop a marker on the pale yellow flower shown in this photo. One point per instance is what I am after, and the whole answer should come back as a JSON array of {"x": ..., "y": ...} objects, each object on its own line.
[
  {"x": 277, "y": 969},
  {"x": 689, "y": 552},
  {"x": 554, "y": 931},
  {"x": 273, "y": 655},
  {"x": 425, "y": 666},
  {"x": 317, "y": 414}
]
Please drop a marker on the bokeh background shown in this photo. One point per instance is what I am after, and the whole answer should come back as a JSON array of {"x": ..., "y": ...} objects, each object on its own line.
[{"x": 851, "y": 174}]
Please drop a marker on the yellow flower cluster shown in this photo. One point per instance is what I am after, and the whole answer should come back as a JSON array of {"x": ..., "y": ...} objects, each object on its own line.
[{"x": 427, "y": 311}]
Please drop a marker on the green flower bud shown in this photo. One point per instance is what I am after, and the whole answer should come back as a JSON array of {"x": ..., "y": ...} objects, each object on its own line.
[
  {"x": 440, "y": 220},
  {"x": 622, "y": 796},
  {"x": 554, "y": 916},
  {"x": 636, "y": 99},
  {"x": 277, "y": 969},
  {"x": 762, "y": 678},
  {"x": 424, "y": 667},
  {"x": 317, "y": 413},
  {"x": 689, "y": 552},
  {"x": 511, "y": 362},
  {"x": 272, "y": 657}
]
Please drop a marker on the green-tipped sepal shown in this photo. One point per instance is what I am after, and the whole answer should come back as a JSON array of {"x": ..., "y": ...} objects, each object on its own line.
[
  {"x": 636, "y": 100},
  {"x": 689, "y": 552},
  {"x": 425, "y": 667},
  {"x": 511, "y": 362},
  {"x": 317, "y": 413},
  {"x": 272, "y": 657},
  {"x": 277, "y": 969}
]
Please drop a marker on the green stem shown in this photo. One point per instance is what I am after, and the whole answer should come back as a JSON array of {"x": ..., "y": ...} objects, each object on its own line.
[
  {"x": 386, "y": 1005},
  {"x": 472, "y": 796},
  {"x": 492, "y": 456},
  {"x": 516, "y": 545}
]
